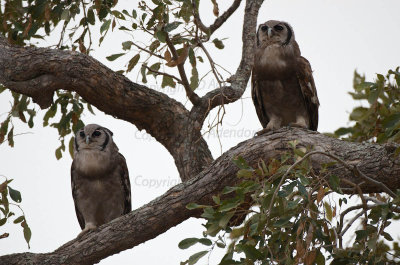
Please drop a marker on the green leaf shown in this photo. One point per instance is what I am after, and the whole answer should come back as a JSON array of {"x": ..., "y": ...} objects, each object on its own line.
[
  {"x": 192, "y": 206},
  {"x": 161, "y": 36},
  {"x": 132, "y": 62},
  {"x": 168, "y": 81},
  {"x": 216, "y": 199},
  {"x": 90, "y": 17},
  {"x": 126, "y": 45},
  {"x": 282, "y": 221},
  {"x": 218, "y": 43},
  {"x": 225, "y": 219},
  {"x": 187, "y": 242},
  {"x": 241, "y": 163},
  {"x": 194, "y": 79},
  {"x": 302, "y": 189},
  {"x": 143, "y": 72},
  {"x": 134, "y": 14},
  {"x": 114, "y": 56},
  {"x": 10, "y": 137},
  {"x": 361, "y": 234},
  {"x": 343, "y": 131},
  {"x": 27, "y": 233},
  {"x": 320, "y": 259},
  {"x": 373, "y": 96},
  {"x": 49, "y": 114},
  {"x": 392, "y": 122},
  {"x": 205, "y": 241},
  {"x": 19, "y": 219},
  {"x": 245, "y": 173},
  {"x": 358, "y": 113},
  {"x": 58, "y": 153},
  {"x": 192, "y": 58},
  {"x": 334, "y": 182},
  {"x": 196, "y": 257},
  {"x": 228, "y": 189},
  {"x": 228, "y": 206},
  {"x": 387, "y": 236},
  {"x": 15, "y": 195},
  {"x": 3, "y": 221},
  {"x": 154, "y": 67},
  {"x": 251, "y": 252},
  {"x": 328, "y": 211},
  {"x": 171, "y": 26},
  {"x": 105, "y": 26}
]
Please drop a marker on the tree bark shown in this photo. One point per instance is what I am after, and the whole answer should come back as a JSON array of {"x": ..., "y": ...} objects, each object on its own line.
[{"x": 169, "y": 210}]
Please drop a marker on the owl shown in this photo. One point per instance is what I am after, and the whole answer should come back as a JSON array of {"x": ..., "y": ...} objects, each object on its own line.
[
  {"x": 99, "y": 178},
  {"x": 283, "y": 89}
]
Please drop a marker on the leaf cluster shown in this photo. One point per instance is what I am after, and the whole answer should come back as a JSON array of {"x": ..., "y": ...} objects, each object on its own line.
[
  {"x": 292, "y": 218},
  {"x": 7, "y": 193},
  {"x": 378, "y": 117}
]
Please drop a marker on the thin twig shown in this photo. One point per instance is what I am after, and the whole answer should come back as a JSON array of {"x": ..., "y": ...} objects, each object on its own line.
[
  {"x": 193, "y": 97},
  {"x": 212, "y": 64},
  {"x": 161, "y": 73},
  {"x": 87, "y": 26},
  {"x": 149, "y": 52},
  {"x": 355, "y": 218}
]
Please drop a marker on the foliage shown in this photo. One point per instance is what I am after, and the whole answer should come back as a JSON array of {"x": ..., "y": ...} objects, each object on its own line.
[
  {"x": 379, "y": 121},
  {"x": 8, "y": 193},
  {"x": 293, "y": 218}
]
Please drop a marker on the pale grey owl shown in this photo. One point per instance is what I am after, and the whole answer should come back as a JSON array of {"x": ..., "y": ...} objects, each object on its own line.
[
  {"x": 99, "y": 177},
  {"x": 283, "y": 88}
]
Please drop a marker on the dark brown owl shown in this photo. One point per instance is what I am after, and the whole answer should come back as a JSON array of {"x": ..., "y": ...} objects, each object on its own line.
[
  {"x": 283, "y": 88},
  {"x": 99, "y": 176}
]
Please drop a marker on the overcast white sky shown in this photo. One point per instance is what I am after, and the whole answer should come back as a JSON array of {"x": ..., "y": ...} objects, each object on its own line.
[{"x": 337, "y": 37}]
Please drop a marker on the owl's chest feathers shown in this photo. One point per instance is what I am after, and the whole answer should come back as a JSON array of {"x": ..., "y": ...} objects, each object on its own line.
[
  {"x": 274, "y": 61},
  {"x": 93, "y": 164}
]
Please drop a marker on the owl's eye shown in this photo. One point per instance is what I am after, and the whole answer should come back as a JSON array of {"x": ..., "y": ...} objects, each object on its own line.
[
  {"x": 278, "y": 28},
  {"x": 96, "y": 133},
  {"x": 264, "y": 28},
  {"x": 82, "y": 134}
]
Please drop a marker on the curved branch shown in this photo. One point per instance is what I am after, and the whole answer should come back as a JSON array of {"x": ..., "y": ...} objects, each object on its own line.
[
  {"x": 153, "y": 219},
  {"x": 239, "y": 80},
  {"x": 219, "y": 21}
]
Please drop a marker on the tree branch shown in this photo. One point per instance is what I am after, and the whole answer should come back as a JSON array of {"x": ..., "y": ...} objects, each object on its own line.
[
  {"x": 38, "y": 72},
  {"x": 239, "y": 80},
  {"x": 169, "y": 210},
  {"x": 218, "y": 22},
  {"x": 193, "y": 97}
]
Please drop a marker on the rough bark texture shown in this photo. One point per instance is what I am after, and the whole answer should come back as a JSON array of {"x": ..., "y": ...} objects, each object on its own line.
[{"x": 168, "y": 210}]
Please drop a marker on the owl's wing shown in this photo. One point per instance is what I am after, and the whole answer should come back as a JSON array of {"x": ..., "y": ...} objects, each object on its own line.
[
  {"x": 258, "y": 100},
  {"x": 306, "y": 81},
  {"x": 73, "y": 185},
  {"x": 125, "y": 183}
]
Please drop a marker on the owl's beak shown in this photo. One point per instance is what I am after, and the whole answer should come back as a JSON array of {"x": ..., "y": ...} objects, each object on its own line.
[
  {"x": 269, "y": 32},
  {"x": 87, "y": 140}
]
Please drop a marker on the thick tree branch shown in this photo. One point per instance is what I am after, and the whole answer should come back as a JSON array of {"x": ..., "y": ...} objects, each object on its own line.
[
  {"x": 38, "y": 72},
  {"x": 376, "y": 161}
]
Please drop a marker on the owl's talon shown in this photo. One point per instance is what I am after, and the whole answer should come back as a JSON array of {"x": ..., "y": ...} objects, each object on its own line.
[
  {"x": 88, "y": 228},
  {"x": 263, "y": 131}
]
